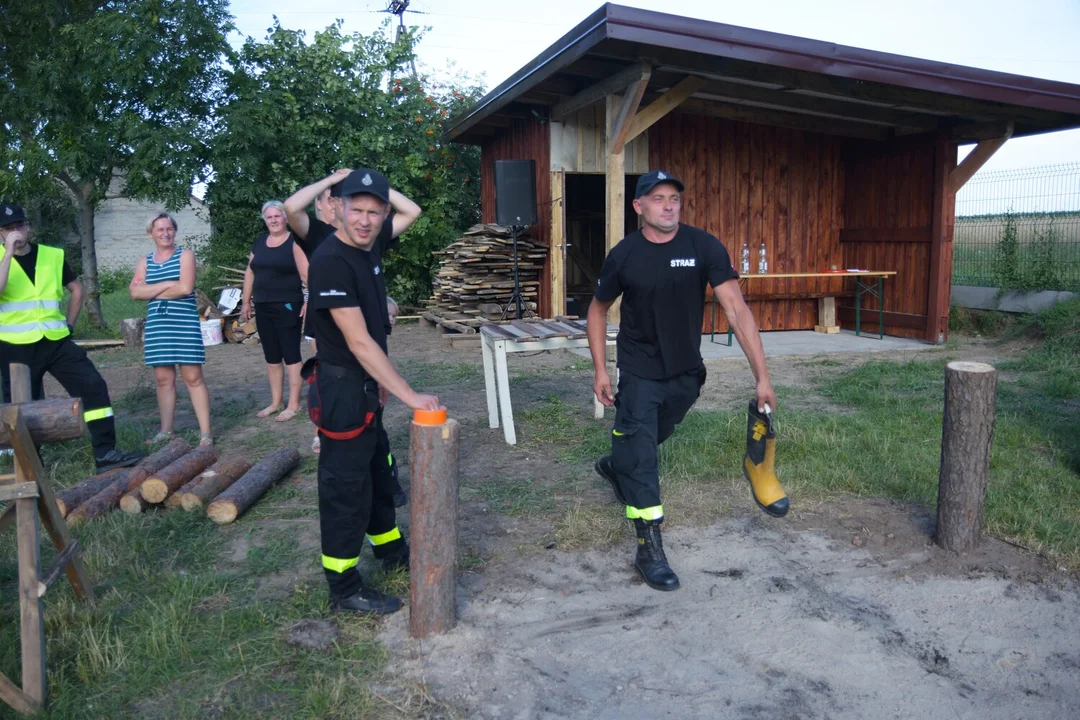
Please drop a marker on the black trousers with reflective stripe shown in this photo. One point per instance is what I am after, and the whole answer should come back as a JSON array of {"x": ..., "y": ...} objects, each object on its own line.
[
  {"x": 646, "y": 413},
  {"x": 69, "y": 364},
  {"x": 353, "y": 501}
]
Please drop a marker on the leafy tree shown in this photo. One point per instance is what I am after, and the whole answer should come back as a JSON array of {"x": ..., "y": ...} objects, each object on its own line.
[
  {"x": 96, "y": 90},
  {"x": 297, "y": 110}
]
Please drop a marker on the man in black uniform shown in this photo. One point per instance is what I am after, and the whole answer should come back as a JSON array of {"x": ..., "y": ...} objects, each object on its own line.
[
  {"x": 34, "y": 332},
  {"x": 661, "y": 273},
  {"x": 310, "y": 233},
  {"x": 348, "y": 306}
]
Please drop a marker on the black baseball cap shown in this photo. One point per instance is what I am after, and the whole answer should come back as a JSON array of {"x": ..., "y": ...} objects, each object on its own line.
[
  {"x": 10, "y": 213},
  {"x": 651, "y": 179},
  {"x": 365, "y": 181}
]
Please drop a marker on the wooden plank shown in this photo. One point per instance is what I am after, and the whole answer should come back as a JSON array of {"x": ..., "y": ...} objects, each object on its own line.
[
  {"x": 595, "y": 93},
  {"x": 520, "y": 334},
  {"x": 99, "y": 344},
  {"x": 846, "y": 314},
  {"x": 16, "y": 491},
  {"x": 15, "y": 698},
  {"x": 60, "y": 563},
  {"x": 781, "y": 118},
  {"x": 677, "y": 95},
  {"x": 497, "y": 331},
  {"x": 616, "y": 141},
  {"x": 32, "y": 620},
  {"x": 553, "y": 329},
  {"x": 886, "y": 235},
  {"x": 974, "y": 161},
  {"x": 615, "y": 206},
  {"x": 529, "y": 329}
]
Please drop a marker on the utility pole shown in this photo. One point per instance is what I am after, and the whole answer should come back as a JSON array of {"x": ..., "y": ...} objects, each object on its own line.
[{"x": 399, "y": 8}]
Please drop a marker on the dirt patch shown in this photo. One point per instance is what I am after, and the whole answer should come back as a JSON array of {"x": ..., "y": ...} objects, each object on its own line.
[
  {"x": 313, "y": 634},
  {"x": 773, "y": 620}
]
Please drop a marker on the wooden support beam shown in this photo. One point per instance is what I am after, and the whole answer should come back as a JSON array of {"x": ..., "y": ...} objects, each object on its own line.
[
  {"x": 781, "y": 118},
  {"x": 558, "y": 243},
  {"x": 615, "y": 206},
  {"x": 628, "y": 108},
  {"x": 32, "y": 620},
  {"x": 974, "y": 132},
  {"x": 15, "y": 698},
  {"x": 941, "y": 236},
  {"x": 976, "y": 159},
  {"x": 595, "y": 93},
  {"x": 664, "y": 104}
]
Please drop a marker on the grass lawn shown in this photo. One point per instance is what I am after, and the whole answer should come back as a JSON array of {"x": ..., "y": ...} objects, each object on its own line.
[{"x": 115, "y": 307}]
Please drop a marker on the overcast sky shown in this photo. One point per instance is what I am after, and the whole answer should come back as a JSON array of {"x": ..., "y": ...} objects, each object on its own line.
[{"x": 494, "y": 38}]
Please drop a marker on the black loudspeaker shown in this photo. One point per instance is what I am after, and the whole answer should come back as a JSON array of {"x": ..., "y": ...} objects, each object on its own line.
[{"x": 515, "y": 192}]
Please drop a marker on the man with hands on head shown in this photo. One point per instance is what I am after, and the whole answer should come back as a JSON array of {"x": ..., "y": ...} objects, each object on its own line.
[{"x": 348, "y": 315}]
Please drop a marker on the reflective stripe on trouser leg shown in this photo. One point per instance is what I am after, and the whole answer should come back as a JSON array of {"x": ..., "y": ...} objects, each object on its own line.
[
  {"x": 98, "y": 414},
  {"x": 649, "y": 513},
  {"x": 384, "y": 538},
  {"x": 339, "y": 565}
]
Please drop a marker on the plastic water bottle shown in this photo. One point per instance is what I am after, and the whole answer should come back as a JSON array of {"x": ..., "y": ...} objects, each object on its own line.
[
  {"x": 744, "y": 267},
  {"x": 762, "y": 263}
]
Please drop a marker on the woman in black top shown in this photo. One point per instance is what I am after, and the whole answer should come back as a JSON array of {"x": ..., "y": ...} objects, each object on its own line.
[{"x": 273, "y": 279}]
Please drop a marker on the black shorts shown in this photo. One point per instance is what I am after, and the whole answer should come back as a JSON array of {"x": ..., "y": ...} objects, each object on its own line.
[{"x": 279, "y": 331}]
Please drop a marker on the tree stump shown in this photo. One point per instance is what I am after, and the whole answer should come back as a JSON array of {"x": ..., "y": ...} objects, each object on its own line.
[
  {"x": 131, "y": 329},
  {"x": 213, "y": 482},
  {"x": 169, "y": 479},
  {"x": 167, "y": 455},
  {"x": 69, "y": 499},
  {"x": 433, "y": 530},
  {"x": 967, "y": 431},
  {"x": 243, "y": 493}
]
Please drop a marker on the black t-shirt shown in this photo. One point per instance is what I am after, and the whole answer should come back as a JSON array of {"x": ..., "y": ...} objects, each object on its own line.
[
  {"x": 276, "y": 277},
  {"x": 318, "y": 231},
  {"x": 342, "y": 276},
  {"x": 663, "y": 298},
  {"x": 28, "y": 263}
]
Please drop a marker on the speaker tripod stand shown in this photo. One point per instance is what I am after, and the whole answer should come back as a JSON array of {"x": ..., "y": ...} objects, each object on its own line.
[{"x": 517, "y": 300}]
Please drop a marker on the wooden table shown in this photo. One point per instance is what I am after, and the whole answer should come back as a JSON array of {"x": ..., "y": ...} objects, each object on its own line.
[
  {"x": 526, "y": 336},
  {"x": 827, "y": 303}
]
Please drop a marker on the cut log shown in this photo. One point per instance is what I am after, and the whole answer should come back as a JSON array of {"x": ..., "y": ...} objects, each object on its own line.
[
  {"x": 69, "y": 499},
  {"x": 49, "y": 421},
  {"x": 213, "y": 482},
  {"x": 171, "y": 478},
  {"x": 151, "y": 464},
  {"x": 131, "y": 329},
  {"x": 967, "y": 429},
  {"x": 100, "y": 504},
  {"x": 243, "y": 493},
  {"x": 132, "y": 503},
  {"x": 433, "y": 501}
]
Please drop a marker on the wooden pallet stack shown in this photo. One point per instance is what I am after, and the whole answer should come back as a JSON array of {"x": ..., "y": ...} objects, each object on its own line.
[{"x": 475, "y": 280}]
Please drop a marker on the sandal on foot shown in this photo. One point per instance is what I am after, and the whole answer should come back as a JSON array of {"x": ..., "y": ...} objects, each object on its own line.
[
  {"x": 316, "y": 446},
  {"x": 159, "y": 438},
  {"x": 286, "y": 415},
  {"x": 206, "y": 440}
]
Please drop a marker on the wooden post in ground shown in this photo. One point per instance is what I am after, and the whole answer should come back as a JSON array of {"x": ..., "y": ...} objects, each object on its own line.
[
  {"x": 966, "y": 433},
  {"x": 433, "y": 530}
]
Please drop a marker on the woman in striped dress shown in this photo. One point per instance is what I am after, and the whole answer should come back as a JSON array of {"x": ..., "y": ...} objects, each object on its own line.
[{"x": 166, "y": 278}]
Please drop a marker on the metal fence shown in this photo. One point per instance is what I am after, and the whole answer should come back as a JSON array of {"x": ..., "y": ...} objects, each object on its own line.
[{"x": 1019, "y": 229}]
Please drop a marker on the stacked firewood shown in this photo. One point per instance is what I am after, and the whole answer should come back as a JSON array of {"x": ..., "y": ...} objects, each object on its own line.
[
  {"x": 177, "y": 476},
  {"x": 234, "y": 329},
  {"x": 475, "y": 280}
]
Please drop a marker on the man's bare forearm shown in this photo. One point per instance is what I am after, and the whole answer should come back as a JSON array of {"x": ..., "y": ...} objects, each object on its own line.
[
  {"x": 596, "y": 322},
  {"x": 746, "y": 332}
]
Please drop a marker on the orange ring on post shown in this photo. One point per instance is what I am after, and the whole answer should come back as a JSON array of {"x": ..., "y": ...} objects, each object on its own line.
[{"x": 429, "y": 417}]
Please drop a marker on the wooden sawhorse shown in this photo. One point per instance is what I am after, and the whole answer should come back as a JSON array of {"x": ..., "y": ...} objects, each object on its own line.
[{"x": 29, "y": 491}]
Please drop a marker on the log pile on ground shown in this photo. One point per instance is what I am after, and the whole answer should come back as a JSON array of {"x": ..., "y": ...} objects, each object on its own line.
[
  {"x": 178, "y": 476},
  {"x": 234, "y": 330},
  {"x": 243, "y": 493},
  {"x": 475, "y": 279}
]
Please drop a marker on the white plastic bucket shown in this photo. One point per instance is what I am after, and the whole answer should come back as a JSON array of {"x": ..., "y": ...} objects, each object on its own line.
[{"x": 211, "y": 331}]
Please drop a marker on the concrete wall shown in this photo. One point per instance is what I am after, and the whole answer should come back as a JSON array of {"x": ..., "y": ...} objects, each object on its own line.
[
  {"x": 980, "y": 298},
  {"x": 120, "y": 229}
]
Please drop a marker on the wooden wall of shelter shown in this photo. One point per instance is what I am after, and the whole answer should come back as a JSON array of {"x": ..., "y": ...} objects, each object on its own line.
[
  {"x": 524, "y": 139},
  {"x": 814, "y": 200}
]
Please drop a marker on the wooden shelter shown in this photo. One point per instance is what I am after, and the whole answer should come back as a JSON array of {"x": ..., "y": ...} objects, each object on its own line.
[{"x": 828, "y": 155}]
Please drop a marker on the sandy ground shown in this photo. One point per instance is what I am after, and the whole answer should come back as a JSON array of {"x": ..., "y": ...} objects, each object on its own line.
[{"x": 841, "y": 611}]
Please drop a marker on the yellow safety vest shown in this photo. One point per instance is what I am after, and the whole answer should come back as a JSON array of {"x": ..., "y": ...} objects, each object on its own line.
[{"x": 30, "y": 311}]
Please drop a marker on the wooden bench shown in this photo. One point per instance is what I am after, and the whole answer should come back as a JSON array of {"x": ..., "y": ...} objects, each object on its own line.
[{"x": 826, "y": 300}]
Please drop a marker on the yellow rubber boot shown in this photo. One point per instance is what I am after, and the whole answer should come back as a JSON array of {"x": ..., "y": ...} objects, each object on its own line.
[{"x": 759, "y": 463}]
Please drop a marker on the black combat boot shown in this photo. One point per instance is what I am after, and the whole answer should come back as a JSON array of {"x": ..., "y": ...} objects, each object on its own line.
[
  {"x": 650, "y": 560},
  {"x": 366, "y": 600},
  {"x": 605, "y": 470}
]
